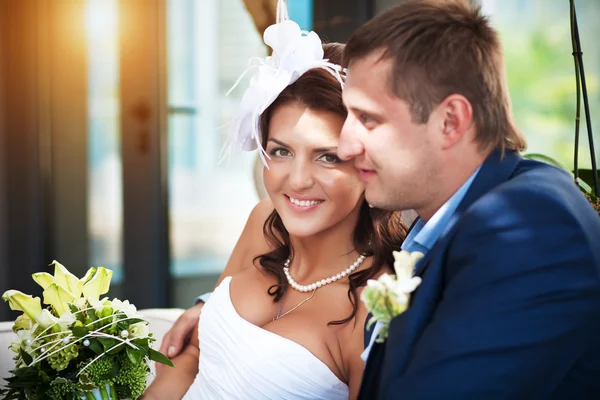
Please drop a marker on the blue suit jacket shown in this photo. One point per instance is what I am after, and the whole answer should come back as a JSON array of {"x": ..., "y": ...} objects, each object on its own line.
[{"x": 509, "y": 306}]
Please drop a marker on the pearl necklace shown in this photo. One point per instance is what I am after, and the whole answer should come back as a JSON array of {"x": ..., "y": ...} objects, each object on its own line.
[{"x": 322, "y": 282}]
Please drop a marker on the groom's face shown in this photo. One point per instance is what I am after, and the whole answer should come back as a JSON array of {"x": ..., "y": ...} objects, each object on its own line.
[{"x": 396, "y": 157}]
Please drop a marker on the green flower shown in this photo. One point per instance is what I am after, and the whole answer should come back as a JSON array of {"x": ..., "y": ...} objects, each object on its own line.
[{"x": 61, "y": 359}]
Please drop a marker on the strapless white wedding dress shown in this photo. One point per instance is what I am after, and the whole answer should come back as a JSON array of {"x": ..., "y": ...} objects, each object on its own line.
[{"x": 239, "y": 360}]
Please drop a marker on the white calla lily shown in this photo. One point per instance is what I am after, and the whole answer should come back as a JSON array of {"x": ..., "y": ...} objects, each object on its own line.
[
  {"x": 59, "y": 298},
  {"x": 45, "y": 319},
  {"x": 125, "y": 307},
  {"x": 98, "y": 285},
  {"x": 15, "y": 346},
  {"x": 66, "y": 320},
  {"x": 20, "y": 301},
  {"x": 43, "y": 279},
  {"x": 65, "y": 279},
  {"x": 88, "y": 275},
  {"x": 22, "y": 322}
]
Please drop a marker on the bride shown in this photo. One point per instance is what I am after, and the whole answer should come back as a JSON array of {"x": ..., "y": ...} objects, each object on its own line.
[{"x": 287, "y": 322}]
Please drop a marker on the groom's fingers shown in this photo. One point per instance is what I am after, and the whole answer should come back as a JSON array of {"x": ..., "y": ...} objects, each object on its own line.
[{"x": 176, "y": 338}]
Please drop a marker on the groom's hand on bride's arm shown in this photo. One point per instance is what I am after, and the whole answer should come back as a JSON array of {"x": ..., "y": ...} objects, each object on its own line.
[{"x": 179, "y": 335}]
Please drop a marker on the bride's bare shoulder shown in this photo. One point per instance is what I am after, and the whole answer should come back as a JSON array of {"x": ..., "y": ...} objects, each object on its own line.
[
  {"x": 252, "y": 240},
  {"x": 261, "y": 212}
]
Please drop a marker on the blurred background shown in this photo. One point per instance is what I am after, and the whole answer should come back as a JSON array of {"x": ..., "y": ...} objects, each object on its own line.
[{"x": 113, "y": 113}]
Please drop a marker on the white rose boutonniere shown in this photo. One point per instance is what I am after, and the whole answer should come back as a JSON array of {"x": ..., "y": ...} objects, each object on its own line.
[{"x": 388, "y": 296}]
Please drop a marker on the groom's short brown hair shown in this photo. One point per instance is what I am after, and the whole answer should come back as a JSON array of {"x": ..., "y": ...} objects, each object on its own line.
[{"x": 439, "y": 48}]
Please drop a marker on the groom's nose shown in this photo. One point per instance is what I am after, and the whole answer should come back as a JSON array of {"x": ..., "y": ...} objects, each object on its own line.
[{"x": 350, "y": 145}]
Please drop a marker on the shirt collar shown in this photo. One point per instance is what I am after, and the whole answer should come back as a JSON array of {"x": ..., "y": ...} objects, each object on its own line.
[{"x": 424, "y": 234}]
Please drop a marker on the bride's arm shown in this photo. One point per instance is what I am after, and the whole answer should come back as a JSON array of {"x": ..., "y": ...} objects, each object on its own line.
[
  {"x": 251, "y": 241},
  {"x": 173, "y": 383}
]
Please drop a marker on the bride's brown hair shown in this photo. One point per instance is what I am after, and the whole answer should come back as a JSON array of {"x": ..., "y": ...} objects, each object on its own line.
[{"x": 377, "y": 232}]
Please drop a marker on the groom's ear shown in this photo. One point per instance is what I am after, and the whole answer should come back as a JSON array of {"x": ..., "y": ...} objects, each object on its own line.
[{"x": 456, "y": 120}]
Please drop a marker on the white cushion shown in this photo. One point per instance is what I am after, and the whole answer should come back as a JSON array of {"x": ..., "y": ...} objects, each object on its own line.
[
  {"x": 161, "y": 321},
  {"x": 7, "y": 336}
]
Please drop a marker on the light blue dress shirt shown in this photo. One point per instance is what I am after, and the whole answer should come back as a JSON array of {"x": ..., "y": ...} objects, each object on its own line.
[{"x": 423, "y": 236}]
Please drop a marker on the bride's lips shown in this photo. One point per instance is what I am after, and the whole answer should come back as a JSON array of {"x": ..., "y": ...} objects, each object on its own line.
[{"x": 302, "y": 204}]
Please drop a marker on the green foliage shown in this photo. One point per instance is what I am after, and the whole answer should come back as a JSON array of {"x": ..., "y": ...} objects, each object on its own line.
[{"x": 541, "y": 79}]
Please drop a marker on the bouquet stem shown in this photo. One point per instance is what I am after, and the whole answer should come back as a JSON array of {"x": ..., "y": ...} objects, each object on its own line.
[{"x": 104, "y": 393}]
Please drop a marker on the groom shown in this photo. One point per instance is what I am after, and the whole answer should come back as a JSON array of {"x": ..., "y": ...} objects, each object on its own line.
[{"x": 509, "y": 304}]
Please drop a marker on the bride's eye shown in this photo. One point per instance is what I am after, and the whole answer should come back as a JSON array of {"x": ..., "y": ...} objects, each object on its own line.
[
  {"x": 330, "y": 159},
  {"x": 280, "y": 152}
]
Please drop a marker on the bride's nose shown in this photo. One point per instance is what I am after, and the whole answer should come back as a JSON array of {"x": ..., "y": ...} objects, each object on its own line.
[{"x": 301, "y": 177}]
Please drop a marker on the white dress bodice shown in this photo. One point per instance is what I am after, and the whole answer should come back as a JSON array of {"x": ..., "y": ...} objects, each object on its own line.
[{"x": 239, "y": 360}]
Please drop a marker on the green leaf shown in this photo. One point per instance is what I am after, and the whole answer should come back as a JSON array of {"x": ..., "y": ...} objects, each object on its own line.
[
  {"x": 96, "y": 347},
  {"x": 86, "y": 383},
  {"x": 135, "y": 356},
  {"x": 117, "y": 349},
  {"x": 26, "y": 374},
  {"x": 135, "y": 321},
  {"x": 122, "y": 326},
  {"x": 546, "y": 159},
  {"x": 141, "y": 343},
  {"x": 80, "y": 331},
  {"x": 59, "y": 380},
  {"x": 92, "y": 314},
  {"x": 25, "y": 356},
  {"x": 107, "y": 343},
  {"x": 79, "y": 315},
  {"x": 114, "y": 371},
  {"x": 159, "y": 357}
]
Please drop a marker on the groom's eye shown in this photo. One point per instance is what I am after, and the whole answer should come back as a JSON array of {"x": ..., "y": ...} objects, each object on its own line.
[{"x": 366, "y": 120}]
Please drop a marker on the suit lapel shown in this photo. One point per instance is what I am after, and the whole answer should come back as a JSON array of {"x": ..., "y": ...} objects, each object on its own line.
[
  {"x": 406, "y": 328},
  {"x": 495, "y": 170},
  {"x": 368, "y": 332}
]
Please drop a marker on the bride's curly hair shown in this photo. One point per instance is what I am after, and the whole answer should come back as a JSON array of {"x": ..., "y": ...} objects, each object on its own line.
[{"x": 377, "y": 233}]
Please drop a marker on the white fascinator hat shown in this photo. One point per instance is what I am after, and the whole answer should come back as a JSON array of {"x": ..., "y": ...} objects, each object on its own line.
[{"x": 294, "y": 52}]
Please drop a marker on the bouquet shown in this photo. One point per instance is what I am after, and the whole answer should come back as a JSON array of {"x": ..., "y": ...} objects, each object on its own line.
[{"x": 79, "y": 346}]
